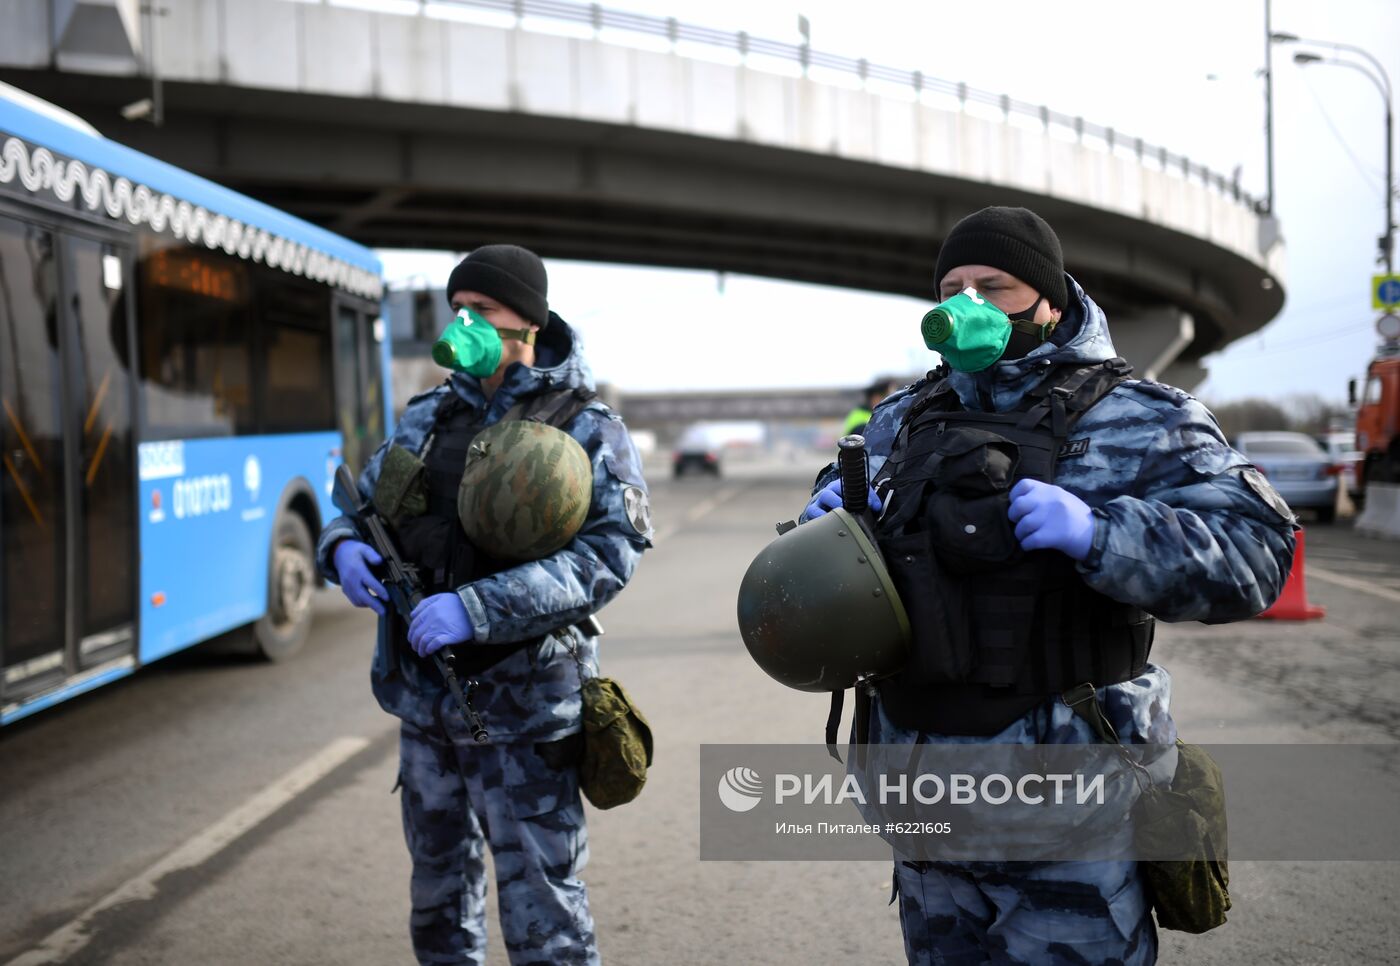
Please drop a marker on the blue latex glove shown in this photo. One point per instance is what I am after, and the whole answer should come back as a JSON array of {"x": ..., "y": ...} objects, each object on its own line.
[
  {"x": 439, "y": 621},
  {"x": 1049, "y": 517},
  {"x": 828, "y": 498},
  {"x": 353, "y": 559}
]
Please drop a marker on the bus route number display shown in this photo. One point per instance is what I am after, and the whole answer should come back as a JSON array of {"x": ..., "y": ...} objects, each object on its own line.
[{"x": 186, "y": 272}]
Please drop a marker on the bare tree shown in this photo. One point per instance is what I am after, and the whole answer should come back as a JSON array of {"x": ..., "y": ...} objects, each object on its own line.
[
  {"x": 1250, "y": 415},
  {"x": 1313, "y": 414},
  {"x": 1308, "y": 413}
]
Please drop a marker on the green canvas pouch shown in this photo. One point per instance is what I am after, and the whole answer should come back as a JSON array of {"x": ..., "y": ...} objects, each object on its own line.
[
  {"x": 401, "y": 492},
  {"x": 1187, "y": 818},
  {"x": 1191, "y": 895},
  {"x": 617, "y": 745}
]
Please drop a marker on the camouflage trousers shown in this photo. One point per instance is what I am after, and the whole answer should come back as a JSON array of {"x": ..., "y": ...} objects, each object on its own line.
[
  {"x": 1046, "y": 914},
  {"x": 458, "y": 798}
]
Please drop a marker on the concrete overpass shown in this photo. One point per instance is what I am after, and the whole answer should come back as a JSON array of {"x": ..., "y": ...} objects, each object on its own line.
[{"x": 412, "y": 130}]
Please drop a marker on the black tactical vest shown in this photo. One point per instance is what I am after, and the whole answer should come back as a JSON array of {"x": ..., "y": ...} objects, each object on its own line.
[
  {"x": 435, "y": 541},
  {"x": 996, "y": 629}
]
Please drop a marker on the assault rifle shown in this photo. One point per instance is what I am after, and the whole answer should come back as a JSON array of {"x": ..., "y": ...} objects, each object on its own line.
[{"x": 404, "y": 586}]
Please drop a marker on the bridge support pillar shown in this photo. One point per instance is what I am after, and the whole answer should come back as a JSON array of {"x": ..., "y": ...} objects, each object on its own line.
[{"x": 1152, "y": 339}]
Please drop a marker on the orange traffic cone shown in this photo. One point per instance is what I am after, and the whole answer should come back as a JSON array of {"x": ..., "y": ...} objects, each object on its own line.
[{"x": 1292, "y": 604}]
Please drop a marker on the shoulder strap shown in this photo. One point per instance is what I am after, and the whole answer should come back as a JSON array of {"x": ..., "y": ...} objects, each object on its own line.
[
  {"x": 937, "y": 395},
  {"x": 450, "y": 404},
  {"x": 1101, "y": 380},
  {"x": 1067, "y": 397},
  {"x": 557, "y": 408},
  {"x": 449, "y": 407}
]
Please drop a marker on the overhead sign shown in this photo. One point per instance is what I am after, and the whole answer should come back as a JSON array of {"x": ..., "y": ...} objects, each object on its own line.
[{"x": 1385, "y": 291}]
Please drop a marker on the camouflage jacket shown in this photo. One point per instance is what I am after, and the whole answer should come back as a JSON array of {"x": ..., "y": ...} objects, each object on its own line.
[
  {"x": 534, "y": 693},
  {"x": 1185, "y": 528}
]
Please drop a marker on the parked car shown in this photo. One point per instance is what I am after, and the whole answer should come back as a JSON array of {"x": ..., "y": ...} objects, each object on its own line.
[
  {"x": 695, "y": 453},
  {"x": 1342, "y": 448},
  {"x": 1301, "y": 470}
]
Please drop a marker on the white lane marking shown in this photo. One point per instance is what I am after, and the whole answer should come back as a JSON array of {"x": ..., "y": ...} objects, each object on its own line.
[
  {"x": 1361, "y": 567},
  {"x": 1352, "y": 583},
  {"x": 699, "y": 510},
  {"x": 67, "y": 940}
]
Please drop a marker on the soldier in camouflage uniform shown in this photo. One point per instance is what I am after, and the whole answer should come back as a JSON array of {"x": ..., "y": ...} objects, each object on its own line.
[
  {"x": 515, "y": 627},
  {"x": 1156, "y": 511}
]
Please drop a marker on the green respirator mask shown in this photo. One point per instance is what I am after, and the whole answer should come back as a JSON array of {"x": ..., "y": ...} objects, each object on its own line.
[
  {"x": 971, "y": 333},
  {"x": 472, "y": 345}
]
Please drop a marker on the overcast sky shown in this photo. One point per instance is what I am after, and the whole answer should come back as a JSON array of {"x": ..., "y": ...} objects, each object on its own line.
[{"x": 1183, "y": 75}]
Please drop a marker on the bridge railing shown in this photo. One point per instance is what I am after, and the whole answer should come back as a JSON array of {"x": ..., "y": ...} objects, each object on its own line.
[{"x": 601, "y": 18}]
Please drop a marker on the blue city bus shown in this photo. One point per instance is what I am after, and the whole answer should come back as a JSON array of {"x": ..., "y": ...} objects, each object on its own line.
[{"x": 182, "y": 368}]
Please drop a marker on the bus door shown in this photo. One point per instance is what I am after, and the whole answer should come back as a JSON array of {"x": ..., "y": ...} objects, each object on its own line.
[
  {"x": 102, "y": 482},
  {"x": 359, "y": 379},
  {"x": 67, "y": 505}
]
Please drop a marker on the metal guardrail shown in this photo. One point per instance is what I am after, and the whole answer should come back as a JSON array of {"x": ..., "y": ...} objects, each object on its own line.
[{"x": 601, "y": 18}]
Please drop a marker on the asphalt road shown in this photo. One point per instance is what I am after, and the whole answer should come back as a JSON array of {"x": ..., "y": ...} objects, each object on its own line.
[{"x": 215, "y": 810}]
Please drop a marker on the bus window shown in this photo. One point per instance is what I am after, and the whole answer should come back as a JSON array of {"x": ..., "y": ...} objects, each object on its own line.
[
  {"x": 95, "y": 276},
  {"x": 299, "y": 394},
  {"x": 195, "y": 315},
  {"x": 373, "y": 383},
  {"x": 33, "y": 517},
  {"x": 361, "y": 410}
]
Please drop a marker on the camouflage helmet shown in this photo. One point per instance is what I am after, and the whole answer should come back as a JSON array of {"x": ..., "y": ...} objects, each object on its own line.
[
  {"x": 525, "y": 490},
  {"x": 817, "y": 609}
]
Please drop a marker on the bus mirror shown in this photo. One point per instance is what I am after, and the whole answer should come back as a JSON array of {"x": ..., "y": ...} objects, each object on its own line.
[
  {"x": 344, "y": 495},
  {"x": 1351, "y": 392}
]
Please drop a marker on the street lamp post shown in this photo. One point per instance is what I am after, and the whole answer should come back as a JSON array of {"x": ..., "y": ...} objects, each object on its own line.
[
  {"x": 1269, "y": 100},
  {"x": 1382, "y": 81}
]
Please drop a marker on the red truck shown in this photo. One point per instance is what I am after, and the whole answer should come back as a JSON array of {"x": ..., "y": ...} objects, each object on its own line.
[{"x": 1378, "y": 415}]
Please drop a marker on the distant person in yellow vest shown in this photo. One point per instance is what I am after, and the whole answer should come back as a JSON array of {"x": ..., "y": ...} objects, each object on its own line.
[{"x": 858, "y": 417}]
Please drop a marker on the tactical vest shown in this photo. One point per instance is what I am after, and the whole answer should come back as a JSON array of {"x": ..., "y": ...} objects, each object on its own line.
[
  {"x": 996, "y": 629},
  {"x": 435, "y": 541}
]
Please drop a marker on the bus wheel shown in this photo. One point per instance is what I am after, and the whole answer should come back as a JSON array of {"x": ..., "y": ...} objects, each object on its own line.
[{"x": 292, "y": 579}]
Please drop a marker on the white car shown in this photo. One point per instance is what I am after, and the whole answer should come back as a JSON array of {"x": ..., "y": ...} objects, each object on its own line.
[
  {"x": 1342, "y": 448},
  {"x": 1297, "y": 466}
]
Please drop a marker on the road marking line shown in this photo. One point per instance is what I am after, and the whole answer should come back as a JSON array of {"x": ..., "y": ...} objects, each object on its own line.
[
  {"x": 1352, "y": 583},
  {"x": 69, "y": 939},
  {"x": 699, "y": 510}
]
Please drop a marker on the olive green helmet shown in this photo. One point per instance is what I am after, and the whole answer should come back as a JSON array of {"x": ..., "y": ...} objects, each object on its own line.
[
  {"x": 818, "y": 610},
  {"x": 525, "y": 491}
]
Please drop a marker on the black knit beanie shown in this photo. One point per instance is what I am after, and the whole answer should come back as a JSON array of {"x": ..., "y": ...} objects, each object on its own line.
[
  {"x": 1015, "y": 240},
  {"x": 511, "y": 275}
]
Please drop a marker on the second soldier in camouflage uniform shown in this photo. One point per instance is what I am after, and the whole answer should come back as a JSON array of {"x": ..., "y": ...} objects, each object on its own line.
[
  {"x": 1155, "y": 510},
  {"x": 520, "y": 792}
]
